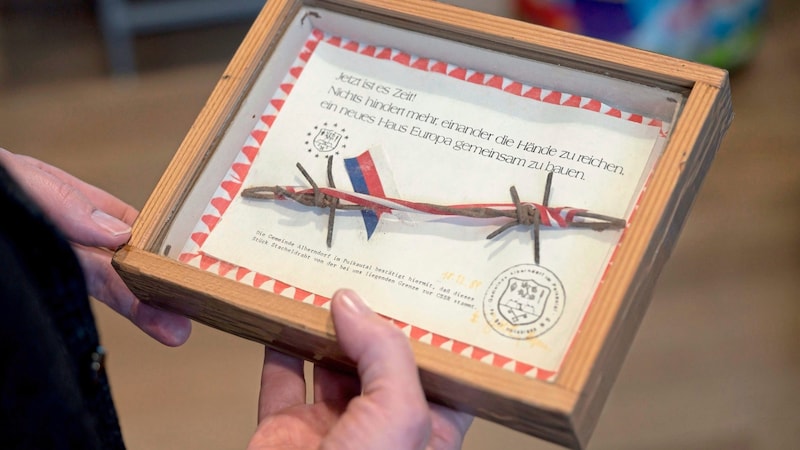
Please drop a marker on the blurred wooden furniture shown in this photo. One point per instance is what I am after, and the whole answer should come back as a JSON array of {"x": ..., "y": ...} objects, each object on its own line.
[{"x": 121, "y": 20}]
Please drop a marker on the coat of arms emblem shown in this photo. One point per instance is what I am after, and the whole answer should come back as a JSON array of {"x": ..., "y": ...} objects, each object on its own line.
[
  {"x": 326, "y": 140},
  {"x": 523, "y": 301}
]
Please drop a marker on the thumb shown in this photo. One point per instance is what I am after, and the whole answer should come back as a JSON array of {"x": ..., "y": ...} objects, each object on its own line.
[
  {"x": 83, "y": 223},
  {"x": 392, "y": 400}
]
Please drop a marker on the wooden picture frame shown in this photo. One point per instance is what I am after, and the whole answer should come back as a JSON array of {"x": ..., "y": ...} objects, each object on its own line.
[{"x": 562, "y": 407}]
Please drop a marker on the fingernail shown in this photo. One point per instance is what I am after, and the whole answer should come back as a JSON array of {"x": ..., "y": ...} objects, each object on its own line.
[
  {"x": 354, "y": 303},
  {"x": 110, "y": 223}
]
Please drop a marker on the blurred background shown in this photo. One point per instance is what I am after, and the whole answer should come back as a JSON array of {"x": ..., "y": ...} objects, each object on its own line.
[{"x": 715, "y": 365}]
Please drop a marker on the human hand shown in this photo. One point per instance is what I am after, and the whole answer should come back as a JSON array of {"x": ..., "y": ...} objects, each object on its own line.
[
  {"x": 95, "y": 222},
  {"x": 386, "y": 409}
]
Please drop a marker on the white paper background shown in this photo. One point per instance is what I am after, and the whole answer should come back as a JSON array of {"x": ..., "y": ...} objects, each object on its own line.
[{"x": 450, "y": 256}]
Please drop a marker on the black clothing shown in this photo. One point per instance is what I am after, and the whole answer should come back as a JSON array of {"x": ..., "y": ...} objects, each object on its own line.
[{"x": 51, "y": 394}]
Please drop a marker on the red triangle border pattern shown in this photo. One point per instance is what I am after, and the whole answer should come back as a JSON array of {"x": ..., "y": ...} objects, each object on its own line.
[{"x": 193, "y": 255}]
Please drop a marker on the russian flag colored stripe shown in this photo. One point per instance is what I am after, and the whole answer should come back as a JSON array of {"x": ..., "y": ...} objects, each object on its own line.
[{"x": 365, "y": 180}]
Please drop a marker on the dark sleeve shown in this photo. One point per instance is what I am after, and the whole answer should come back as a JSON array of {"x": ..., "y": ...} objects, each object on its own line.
[{"x": 51, "y": 396}]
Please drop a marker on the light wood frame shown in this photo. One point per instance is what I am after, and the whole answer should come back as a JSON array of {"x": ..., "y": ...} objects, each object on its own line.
[{"x": 563, "y": 411}]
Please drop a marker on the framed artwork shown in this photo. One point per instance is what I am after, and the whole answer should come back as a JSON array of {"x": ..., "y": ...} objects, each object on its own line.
[{"x": 504, "y": 193}]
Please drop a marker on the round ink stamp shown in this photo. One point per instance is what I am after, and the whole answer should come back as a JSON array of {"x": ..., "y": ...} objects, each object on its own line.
[{"x": 524, "y": 302}]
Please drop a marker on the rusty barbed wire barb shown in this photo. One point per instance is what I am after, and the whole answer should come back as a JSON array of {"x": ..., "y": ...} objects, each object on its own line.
[
  {"x": 333, "y": 206},
  {"x": 521, "y": 213}
]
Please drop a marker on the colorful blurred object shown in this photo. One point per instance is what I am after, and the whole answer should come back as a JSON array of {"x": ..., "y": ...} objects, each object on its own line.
[{"x": 723, "y": 33}]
